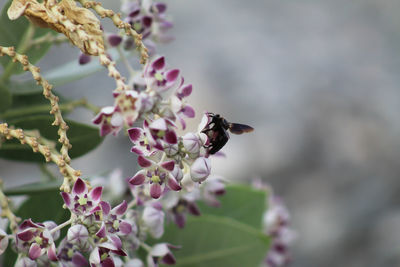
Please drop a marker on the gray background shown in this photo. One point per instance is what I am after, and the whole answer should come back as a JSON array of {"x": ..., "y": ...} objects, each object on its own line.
[{"x": 319, "y": 82}]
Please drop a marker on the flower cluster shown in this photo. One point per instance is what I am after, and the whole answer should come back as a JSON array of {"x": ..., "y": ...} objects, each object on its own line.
[
  {"x": 168, "y": 160},
  {"x": 276, "y": 225},
  {"x": 149, "y": 19}
]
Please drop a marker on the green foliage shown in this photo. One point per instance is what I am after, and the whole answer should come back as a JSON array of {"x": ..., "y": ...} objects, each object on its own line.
[
  {"x": 33, "y": 208},
  {"x": 84, "y": 138},
  {"x": 5, "y": 98},
  {"x": 17, "y": 33},
  {"x": 227, "y": 236},
  {"x": 31, "y": 104},
  {"x": 241, "y": 203}
]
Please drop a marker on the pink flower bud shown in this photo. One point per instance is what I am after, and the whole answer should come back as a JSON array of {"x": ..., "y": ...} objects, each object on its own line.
[{"x": 200, "y": 169}]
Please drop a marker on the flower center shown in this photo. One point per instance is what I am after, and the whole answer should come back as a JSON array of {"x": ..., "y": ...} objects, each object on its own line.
[
  {"x": 155, "y": 179},
  {"x": 159, "y": 77},
  {"x": 82, "y": 201}
]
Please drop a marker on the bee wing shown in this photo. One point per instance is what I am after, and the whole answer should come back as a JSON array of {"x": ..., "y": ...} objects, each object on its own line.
[{"x": 237, "y": 128}]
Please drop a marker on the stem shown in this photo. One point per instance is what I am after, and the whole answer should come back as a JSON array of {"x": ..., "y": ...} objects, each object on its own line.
[
  {"x": 22, "y": 48},
  {"x": 132, "y": 203},
  {"x": 145, "y": 246},
  {"x": 59, "y": 227},
  {"x": 126, "y": 62},
  {"x": 47, "y": 172},
  {"x": 49, "y": 38}
]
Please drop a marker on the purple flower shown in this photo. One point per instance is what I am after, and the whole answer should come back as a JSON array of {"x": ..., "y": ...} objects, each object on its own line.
[
  {"x": 112, "y": 218},
  {"x": 276, "y": 225},
  {"x": 149, "y": 19},
  {"x": 109, "y": 120},
  {"x": 69, "y": 254},
  {"x": 158, "y": 77},
  {"x": 81, "y": 201},
  {"x": 213, "y": 188},
  {"x": 157, "y": 174},
  {"x": 36, "y": 239},
  {"x": 153, "y": 219},
  {"x": 161, "y": 252}
]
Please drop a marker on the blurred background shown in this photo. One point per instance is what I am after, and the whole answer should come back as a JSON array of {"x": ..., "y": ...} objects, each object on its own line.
[{"x": 319, "y": 81}]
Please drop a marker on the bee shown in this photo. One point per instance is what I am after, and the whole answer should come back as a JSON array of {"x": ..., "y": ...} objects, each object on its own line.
[{"x": 217, "y": 132}]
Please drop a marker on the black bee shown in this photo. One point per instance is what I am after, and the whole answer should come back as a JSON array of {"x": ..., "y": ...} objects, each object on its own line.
[{"x": 217, "y": 131}]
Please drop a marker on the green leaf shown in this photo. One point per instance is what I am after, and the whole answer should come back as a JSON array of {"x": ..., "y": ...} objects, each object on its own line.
[
  {"x": 34, "y": 188},
  {"x": 83, "y": 138},
  {"x": 242, "y": 203},
  {"x": 217, "y": 241},
  {"x": 33, "y": 208},
  {"x": 33, "y": 104},
  {"x": 64, "y": 74},
  {"x": 15, "y": 33},
  {"x": 5, "y": 98}
]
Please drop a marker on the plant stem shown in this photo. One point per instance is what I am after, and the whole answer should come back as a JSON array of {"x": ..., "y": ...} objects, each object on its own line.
[
  {"x": 49, "y": 38},
  {"x": 59, "y": 227},
  {"x": 126, "y": 62},
  {"x": 47, "y": 172}
]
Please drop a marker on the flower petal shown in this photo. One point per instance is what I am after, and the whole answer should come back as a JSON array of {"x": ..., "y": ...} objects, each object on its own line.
[
  {"x": 168, "y": 165},
  {"x": 173, "y": 184},
  {"x": 138, "y": 179},
  {"x": 95, "y": 193},
  {"x": 158, "y": 64},
  {"x": 34, "y": 251},
  {"x": 143, "y": 162},
  {"x": 120, "y": 209},
  {"x": 79, "y": 187},
  {"x": 172, "y": 75},
  {"x": 134, "y": 134},
  {"x": 106, "y": 207},
  {"x": 155, "y": 190}
]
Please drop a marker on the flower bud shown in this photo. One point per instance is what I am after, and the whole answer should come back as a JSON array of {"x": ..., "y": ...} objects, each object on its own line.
[
  {"x": 77, "y": 234},
  {"x": 114, "y": 40},
  {"x": 154, "y": 220},
  {"x": 192, "y": 143},
  {"x": 200, "y": 169}
]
